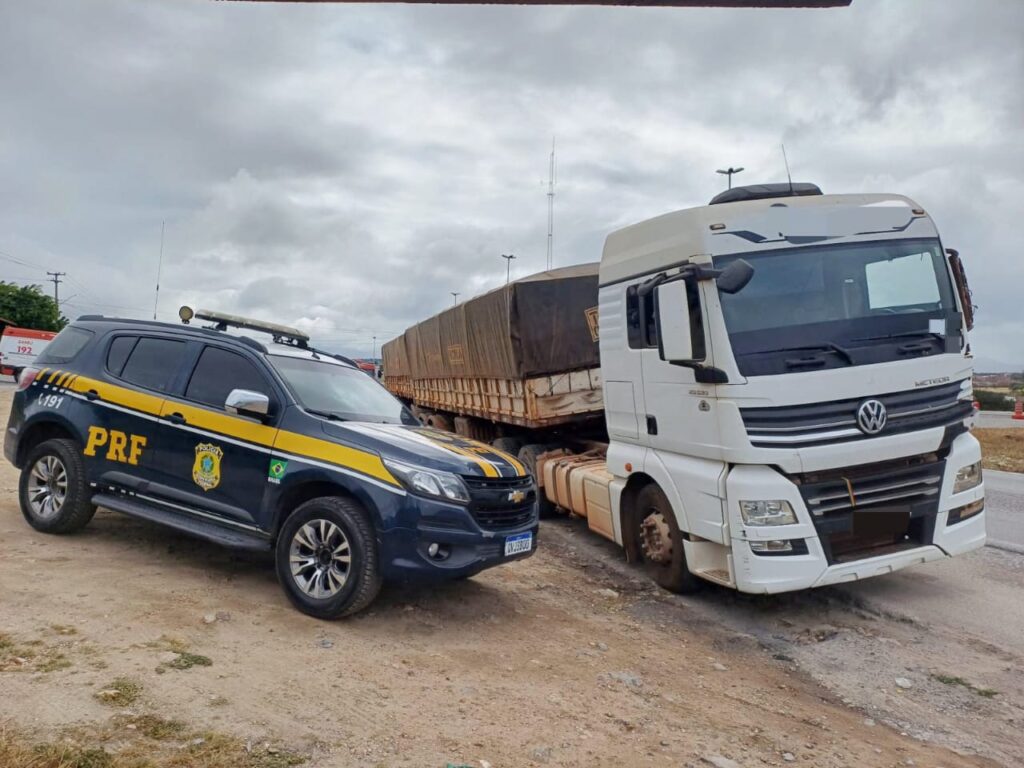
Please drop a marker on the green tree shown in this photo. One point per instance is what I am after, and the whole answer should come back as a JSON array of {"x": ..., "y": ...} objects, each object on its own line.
[{"x": 28, "y": 307}]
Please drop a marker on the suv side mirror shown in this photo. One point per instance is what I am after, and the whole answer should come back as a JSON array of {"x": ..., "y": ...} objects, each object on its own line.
[
  {"x": 245, "y": 402},
  {"x": 675, "y": 343},
  {"x": 735, "y": 276}
]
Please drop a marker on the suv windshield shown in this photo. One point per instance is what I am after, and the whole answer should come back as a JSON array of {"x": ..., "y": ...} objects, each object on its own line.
[
  {"x": 841, "y": 305},
  {"x": 331, "y": 389}
]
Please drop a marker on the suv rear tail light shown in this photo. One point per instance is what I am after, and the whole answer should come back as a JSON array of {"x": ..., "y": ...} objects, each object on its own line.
[{"x": 28, "y": 375}]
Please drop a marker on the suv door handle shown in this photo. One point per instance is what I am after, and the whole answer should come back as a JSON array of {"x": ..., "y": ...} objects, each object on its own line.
[
  {"x": 92, "y": 394},
  {"x": 174, "y": 418}
]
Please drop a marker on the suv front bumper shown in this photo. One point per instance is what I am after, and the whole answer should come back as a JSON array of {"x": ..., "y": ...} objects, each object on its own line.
[{"x": 467, "y": 548}]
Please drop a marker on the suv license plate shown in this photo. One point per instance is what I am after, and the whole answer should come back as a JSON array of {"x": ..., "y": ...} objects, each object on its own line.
[{"x": 516, "y": 545}]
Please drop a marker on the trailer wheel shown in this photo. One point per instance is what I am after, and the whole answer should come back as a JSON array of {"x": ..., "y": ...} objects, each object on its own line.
[
  {"x": 528, "y": 456},
  {"x": 510, "y": 445},
  {"x": 661, "y": 542}
]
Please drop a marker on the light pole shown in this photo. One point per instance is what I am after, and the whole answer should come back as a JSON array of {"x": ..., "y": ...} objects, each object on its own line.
[
  {"x": 508, "y": 265},
  {"x": 455, "y": 297},
  {"x": 729, "y": 172}
]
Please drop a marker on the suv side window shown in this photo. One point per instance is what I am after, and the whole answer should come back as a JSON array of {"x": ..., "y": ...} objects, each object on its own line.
[
  {"x": 117, "y": 355},
  {"x": 220, "y": 371},
  {"x": 65, "y": 346},
  {"x": 153, "y": 363}
]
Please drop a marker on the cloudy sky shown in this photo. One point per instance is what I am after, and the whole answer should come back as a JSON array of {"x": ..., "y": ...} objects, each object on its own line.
[{"x": 344, "y": 168}]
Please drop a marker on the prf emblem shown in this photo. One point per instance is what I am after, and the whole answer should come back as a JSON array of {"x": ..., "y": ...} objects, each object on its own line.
[
  {"x": 120, "y": 446},
  {"x": 206, "y": 469}
]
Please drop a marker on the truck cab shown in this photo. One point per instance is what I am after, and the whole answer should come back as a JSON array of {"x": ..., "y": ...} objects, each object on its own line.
[{"x": 787, "y": 391}]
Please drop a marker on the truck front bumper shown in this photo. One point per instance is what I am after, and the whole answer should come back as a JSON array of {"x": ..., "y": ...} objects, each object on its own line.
[{"x": 933, "y": 532}]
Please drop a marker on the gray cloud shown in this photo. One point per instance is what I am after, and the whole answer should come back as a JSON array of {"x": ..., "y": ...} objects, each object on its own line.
[{"x": 344, "y": 167}]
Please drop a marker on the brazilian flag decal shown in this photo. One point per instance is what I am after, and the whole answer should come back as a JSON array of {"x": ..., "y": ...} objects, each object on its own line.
[{"x": 277, "y": 469}]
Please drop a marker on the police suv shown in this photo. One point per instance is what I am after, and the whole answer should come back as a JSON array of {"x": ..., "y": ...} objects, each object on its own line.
[{"x": 260, "y": 445}]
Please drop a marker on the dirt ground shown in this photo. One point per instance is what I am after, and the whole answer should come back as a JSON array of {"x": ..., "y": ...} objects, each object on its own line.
[
  {"x": 1001, "y": 448},
  {"x": 558, "y": 660}
]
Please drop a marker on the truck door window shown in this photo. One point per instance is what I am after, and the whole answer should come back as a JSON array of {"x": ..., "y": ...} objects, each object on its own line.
[
  {"x": 117, "y": 355},
  {"x": 642, "y": 326},
  {"x": 220, "y": 371},
  {"x": 153, "y": 363}
]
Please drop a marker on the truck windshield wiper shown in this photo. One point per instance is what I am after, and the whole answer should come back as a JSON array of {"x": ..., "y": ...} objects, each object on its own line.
[
  {"x": 326, "y": 414},
  {"x": 907, "y": 335},
  {"x": 826, "y": 346}
]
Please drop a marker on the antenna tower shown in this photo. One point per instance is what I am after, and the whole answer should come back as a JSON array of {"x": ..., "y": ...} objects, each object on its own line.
[{"x": 551, "y": 207}]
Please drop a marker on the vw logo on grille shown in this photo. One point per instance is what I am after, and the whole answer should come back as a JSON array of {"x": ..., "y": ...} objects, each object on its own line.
[{"x": 871, "y": 417}]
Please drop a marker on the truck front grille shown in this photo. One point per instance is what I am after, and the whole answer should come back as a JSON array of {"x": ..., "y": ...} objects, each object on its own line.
[
  {"x": 795, "y": 426},
  {"x": 874, "y": 509},
  {"x": 501, "y": 503}
]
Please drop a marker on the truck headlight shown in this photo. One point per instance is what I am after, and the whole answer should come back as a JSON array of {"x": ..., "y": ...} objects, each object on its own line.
[
  {"x": 429, "y": 482},
  {"x": 767, "y": 513},
  {"x": 967, "y": 477},
  {"x": 966, "y": 390}
]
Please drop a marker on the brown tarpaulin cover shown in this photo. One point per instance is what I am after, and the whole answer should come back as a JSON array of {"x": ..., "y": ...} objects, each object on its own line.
[{"x": 542, "y": 324}]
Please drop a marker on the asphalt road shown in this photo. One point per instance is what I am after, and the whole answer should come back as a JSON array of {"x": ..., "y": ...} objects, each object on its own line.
[
  {"x": 1004, "y": 505},
  {"x": 997, "y": 420}
]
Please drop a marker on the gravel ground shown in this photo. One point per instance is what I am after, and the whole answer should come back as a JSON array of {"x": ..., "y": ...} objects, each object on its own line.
[{"x": 569, "y": 658}]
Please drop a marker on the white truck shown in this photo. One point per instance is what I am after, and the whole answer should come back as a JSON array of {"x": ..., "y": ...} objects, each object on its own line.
[{"x": 785, "y": 379}]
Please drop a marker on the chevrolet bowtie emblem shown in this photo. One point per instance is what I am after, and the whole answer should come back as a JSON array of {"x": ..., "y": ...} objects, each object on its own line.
[{"x": 516, "y": 496}]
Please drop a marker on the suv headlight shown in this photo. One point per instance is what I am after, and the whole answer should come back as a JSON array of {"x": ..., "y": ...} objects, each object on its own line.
[
  {"x": 767, "y": 513},
  {"x": 967, "y": 477},
  {"x": 429, "y": 482}
]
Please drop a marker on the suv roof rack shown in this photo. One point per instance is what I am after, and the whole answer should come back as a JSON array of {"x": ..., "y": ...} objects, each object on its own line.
[
  {"x": 223, "y": 321},
  {"x": 765, "y": 192}
]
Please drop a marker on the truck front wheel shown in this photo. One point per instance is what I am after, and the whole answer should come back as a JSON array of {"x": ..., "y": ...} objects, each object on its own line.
[{"x": 661, "y": 542}]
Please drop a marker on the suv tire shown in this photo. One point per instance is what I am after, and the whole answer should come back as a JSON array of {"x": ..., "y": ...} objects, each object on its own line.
[
  {"x": 662, "y": 552},
  {"x": 326, "y": 558},
  {"x": 52, "y": 490}
]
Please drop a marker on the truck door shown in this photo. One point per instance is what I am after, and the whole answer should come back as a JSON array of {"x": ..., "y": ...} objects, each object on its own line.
[
  {"x": 680, "y": 421},
  {"x": 214, "y": 462}
]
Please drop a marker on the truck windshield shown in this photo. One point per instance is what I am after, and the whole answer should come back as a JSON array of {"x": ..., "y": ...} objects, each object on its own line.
[
  {"x": 832, "y": 306},
  {"x": 339, "y": 392}
]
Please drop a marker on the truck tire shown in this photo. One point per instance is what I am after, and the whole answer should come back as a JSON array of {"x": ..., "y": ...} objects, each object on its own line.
[
  {"x": 326, "y": 558},
  {"x": 661, "y": 542},
  {"x": 440, "y": 421},
  {"x": 528, "y": 457},
  {"x": 52, "y": 490},
  {"x": 510, "y": 445}
]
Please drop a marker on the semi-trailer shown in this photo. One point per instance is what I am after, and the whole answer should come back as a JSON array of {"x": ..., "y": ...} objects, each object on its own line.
[{"x": 770, "y": 392}]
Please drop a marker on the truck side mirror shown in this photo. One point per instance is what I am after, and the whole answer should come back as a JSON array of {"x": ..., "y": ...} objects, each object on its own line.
[
  {"x": 962, "y": 288},
  {"x": 675, "y": 343},
  {"x": 735, "y": 276}
]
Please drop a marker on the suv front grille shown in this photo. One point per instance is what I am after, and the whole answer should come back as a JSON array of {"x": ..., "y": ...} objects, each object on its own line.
[
  {"x": 495, "y": 503},
  {"x": 793, "y": 426},
  {"x": 847, "y": 504}
]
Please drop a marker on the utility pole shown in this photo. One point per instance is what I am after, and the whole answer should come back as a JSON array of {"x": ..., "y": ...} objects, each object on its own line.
[
  {"x": 508, "y": 265},
  {"x": 729, "y": 172},
  {"x": 455, "y": 297},
  {"x": 55, "y": 278}
]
